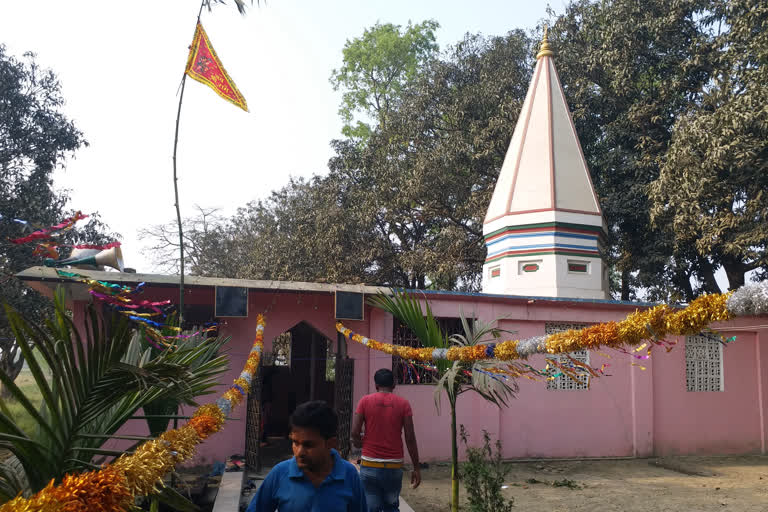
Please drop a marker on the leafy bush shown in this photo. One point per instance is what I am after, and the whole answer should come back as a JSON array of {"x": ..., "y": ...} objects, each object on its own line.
[{"x": 484, "y": 474}]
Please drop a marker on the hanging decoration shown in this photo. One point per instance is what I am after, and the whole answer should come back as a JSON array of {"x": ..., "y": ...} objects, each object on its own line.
[
  {"x": 124, "y": 300},
  {"x": 45, "y": 238},
  {"x": 47, "y": 233},
  {"x": 651, "y": 325},
  {"x": 749, "y": 300},
  {"x": 113, "y": 487}
]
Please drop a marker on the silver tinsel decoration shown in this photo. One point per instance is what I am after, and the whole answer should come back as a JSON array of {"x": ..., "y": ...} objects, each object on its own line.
[
  {"x": 439, "y": 353},
  {"x": 749, "y": 300},
  {"x": 530, "y": 346},
  {"x": 225, "y": 406}
]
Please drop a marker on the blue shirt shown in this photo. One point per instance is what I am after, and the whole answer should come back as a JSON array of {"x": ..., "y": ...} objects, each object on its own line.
[{"x": 287, "y": 489}]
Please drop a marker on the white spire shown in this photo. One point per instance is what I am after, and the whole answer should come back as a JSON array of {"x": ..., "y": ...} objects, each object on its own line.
[
  {"x": 544, "y": 214},
  {"x": 544, "y": 168}
]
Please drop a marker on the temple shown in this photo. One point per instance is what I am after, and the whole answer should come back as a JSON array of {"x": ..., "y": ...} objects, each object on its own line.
[{"x": 544, "y": 274}]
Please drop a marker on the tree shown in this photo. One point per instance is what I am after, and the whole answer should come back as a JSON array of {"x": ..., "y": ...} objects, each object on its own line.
[
  {"x": 377, "y": 67},
  {"x": 629, "y": 70},
  {"x": 200, "y": 232},
  {"x": 426, "y": 176},
  {"x": 35, "y": 138},
  {"x": 446, "y": 144},
  {"x": 240, "y": 4},
  {"x": 456, "y": 377},
  {"x": 306, "y": 231},
  {"x": 712, "y": 187},
  {"x": 302, "y": 232}
]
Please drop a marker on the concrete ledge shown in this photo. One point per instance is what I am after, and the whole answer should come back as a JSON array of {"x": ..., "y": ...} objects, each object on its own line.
[{"x": 228, "y": 498}]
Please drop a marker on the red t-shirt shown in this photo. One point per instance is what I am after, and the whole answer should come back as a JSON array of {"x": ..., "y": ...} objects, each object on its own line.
[{"x": 384, "y": 415}]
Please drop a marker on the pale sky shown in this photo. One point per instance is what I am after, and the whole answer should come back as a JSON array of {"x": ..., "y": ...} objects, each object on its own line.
[{"x": 121, "y": 63}]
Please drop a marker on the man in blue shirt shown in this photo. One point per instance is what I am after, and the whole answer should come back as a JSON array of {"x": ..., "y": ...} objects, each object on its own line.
[{"x": 316, "y": 479}]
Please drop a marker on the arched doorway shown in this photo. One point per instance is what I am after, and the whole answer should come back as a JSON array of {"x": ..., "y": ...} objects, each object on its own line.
[{"x": 300, "y": 367}]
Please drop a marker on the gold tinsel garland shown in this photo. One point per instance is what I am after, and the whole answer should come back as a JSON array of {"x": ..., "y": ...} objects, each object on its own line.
[
  {"x": 112, "y": 488},
  {"x": 654, "y": 323}
]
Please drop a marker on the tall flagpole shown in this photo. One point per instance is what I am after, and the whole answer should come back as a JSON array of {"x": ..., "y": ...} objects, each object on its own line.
[{"x": 176, "y": 188}]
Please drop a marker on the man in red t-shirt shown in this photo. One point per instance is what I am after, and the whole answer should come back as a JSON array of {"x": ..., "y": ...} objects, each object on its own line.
[{"x": 385, "y": 416}]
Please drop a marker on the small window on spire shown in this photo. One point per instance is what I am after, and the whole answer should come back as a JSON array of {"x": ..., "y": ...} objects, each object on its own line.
[
  {"x": 528, "y": 267},
  {"x": 578, "y": 267}
]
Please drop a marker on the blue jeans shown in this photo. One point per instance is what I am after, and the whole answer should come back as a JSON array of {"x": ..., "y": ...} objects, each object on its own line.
[{"x": 382, "y": 488}]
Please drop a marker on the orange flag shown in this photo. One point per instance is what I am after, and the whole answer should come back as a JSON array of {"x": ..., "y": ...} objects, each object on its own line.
[{"x": 204, "y": 66}]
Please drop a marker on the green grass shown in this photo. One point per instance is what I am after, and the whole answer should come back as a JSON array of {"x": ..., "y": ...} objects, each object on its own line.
[{"x": 26, "y": 382}]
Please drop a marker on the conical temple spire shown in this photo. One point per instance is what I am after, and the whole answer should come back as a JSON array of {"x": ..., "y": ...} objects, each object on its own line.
[{"x": 544, "y": 228}]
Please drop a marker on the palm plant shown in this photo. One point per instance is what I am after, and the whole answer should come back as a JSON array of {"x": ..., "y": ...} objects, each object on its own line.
[
  {"x": 96, "y": 381},
  {"x": 199, "y": 353},
  {"x": 456, "y": 377}
]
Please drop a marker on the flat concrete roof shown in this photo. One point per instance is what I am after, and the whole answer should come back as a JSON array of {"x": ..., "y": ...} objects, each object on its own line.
[{"x": 45, "y": 280}]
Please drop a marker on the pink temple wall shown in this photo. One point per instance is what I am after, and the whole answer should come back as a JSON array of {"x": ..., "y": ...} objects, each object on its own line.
[
  {"x": 731, "y": 421},
  {"x": 284, "y": 311},
  {"x": 632, "y": 412},
  {"x": 601, "y": 422}
]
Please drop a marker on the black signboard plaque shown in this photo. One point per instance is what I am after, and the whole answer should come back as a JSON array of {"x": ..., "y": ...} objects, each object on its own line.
[
  {"x": 231, "y": 301},
  {"x": 349, "y": 306}
]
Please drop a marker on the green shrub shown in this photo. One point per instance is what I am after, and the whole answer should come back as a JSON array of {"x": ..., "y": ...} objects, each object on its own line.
[{"x": 484, "y": 474}]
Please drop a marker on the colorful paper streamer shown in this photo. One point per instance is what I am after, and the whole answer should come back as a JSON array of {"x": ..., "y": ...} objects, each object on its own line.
[{"x": 42, "y": 234}]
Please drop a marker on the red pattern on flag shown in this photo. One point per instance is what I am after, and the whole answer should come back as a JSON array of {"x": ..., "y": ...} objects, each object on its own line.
[{"x": 204, "y": 66}]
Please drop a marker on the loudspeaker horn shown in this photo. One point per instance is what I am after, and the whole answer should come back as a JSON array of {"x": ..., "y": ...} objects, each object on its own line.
[{"x": 91, "y": 259}]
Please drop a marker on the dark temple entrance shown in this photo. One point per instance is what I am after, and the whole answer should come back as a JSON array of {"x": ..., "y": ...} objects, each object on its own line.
[{"x": 302, "y": 366}]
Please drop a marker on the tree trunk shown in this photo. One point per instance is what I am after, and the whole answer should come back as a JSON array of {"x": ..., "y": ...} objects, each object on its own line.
[
  {"x": 625, "y": 284},
  {"x": 682, "y": 281},
  {"x": 734, "y": 270},
  {"x": 685, "y": 285},
  {"x": 454, "y": 462},
  {"x": 708, "y": 276}
]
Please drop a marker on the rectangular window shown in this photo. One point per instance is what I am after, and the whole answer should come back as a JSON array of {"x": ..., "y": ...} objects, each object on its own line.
[
  {"x": 578, "y": 267},
  {"x": 564, "y": 382},
  {"x": 406, "y": 373},
  {"x": 703, "y": 364}
]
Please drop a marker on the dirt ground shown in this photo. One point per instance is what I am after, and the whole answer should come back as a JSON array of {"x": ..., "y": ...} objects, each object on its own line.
[{"x": 677, "y": 484}]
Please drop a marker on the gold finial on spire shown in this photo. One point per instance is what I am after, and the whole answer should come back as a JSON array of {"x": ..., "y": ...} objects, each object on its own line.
[{"x": 544, "y": 51}]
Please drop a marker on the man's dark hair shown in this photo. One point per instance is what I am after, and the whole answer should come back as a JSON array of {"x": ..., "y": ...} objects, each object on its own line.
[
  {"x": 316, "y": 415},
  {"x": 384, "y": 378}
]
